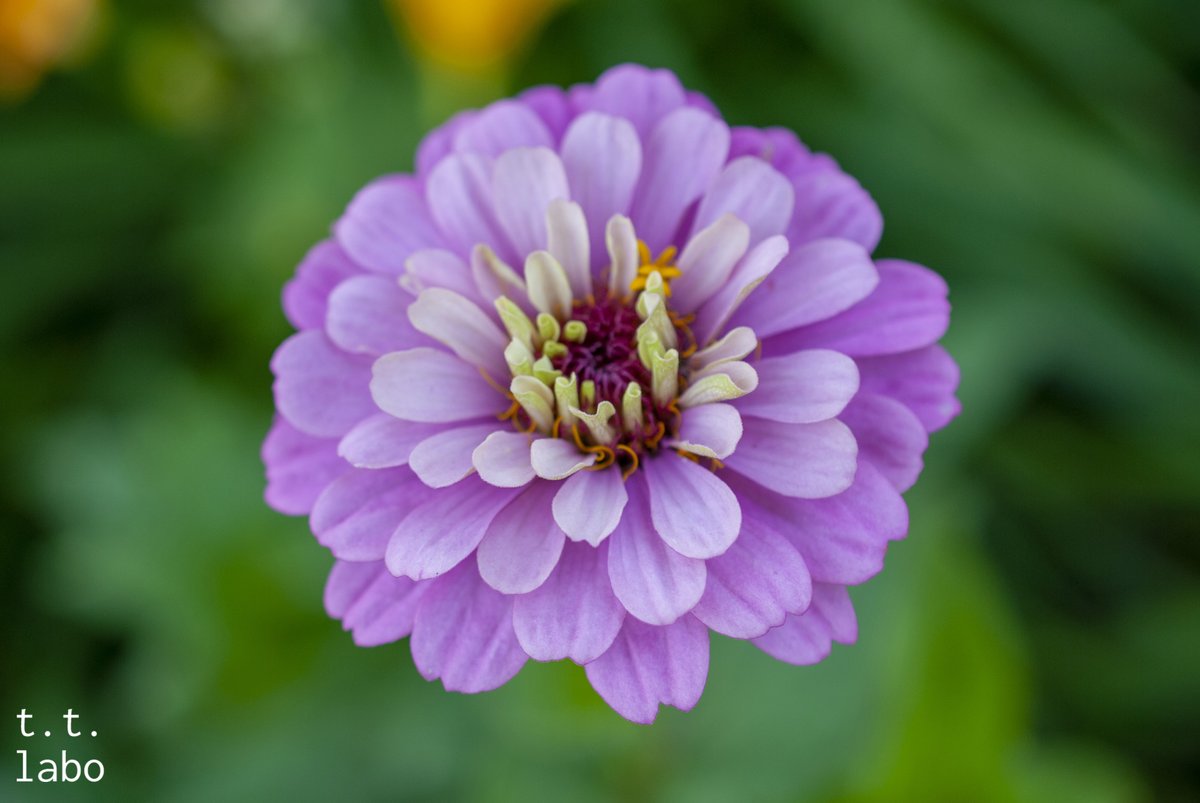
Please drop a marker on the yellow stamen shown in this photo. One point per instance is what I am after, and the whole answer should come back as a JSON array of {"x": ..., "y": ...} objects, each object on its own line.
[
  {"x": 664, "y": 263},
  {"x": 626, "y": 473},
  {"x": 652, "y": 441}
]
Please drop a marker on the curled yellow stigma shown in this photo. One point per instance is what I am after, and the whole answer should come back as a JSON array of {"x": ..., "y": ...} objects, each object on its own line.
[{"x": 664, "y": 264}]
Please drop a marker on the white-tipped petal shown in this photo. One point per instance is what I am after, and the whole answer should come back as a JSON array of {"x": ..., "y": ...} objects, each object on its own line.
[
  {"x": 557, "y": 459},
  {"x": 710, "y": 430},
  {"x": 494, "y": 277},
  {"x": 549, "y": 290},
  {"x": 567, "y": 240},
  {"x": 734, "y": 346},
  {"x": 708, "y": 260},
  {"x": 536, "y": 399},
  {"x": 503, "y": 460},
  {"x": 622, "y": 253},
  {"x": 729, "y": 381},
  {"x": 456, "y": 322}
]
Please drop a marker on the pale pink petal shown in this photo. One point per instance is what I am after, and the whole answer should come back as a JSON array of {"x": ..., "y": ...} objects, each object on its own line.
[
  {"x": 299, "y": 467},
  {"x": 305, "y": 296},
  {"x": 522, "y": 544},
  {"x": 444, "y": 458},
  {"x": 756, "y": 584},
  {"x": 502, "y": 125},
  {"x": 439, "y": 142},
  {"x": 431, "y": 386},
  {"x": 925, "y": 380},
  {"x": 890, "y": 436},
  {"x": 602, "y": 156},
  {"x": 461, "y": 326},
  {"x": 320, "y": 389},
  {"x": 908, "y": 310},
  {"x": 385, "y": 223},
  {"x": 524, "y": 183},
  {"x": 682, "y": 155},
  {"x": 503, "y": 459},
  {"x": 444, "y": 528},
  {"x": 437, "y": 267},
  {"x": 654, "y": 582},
  {"x": 367, "y": 316},
  {"x": 830, "y": 203},
  {"x": 814, "y": 282},
  {"x": 355, "y": 516},
  {"x": 808, "y": 637},
  {"x": 707, "y": 262},
  {"x": 550, "y": 103},
  {"x": 588, "y": 505},
  {"x": 460, "y": 199},
  {"x": 568, "y": 241},
  {"x": 463, "y": 634},
  {"x": 811, "y": 461},
  {"x": 574, "y": 613},
  {"x": 640, "y": 95},
  {"x": 754, "y": 192},
  {"x": 748, "y": 274},
  {"x": 710, "y": 430},
  {"x": 375, "y": 606},
  {"x": 648, "y": 665},
  {"x": 557, "y": 459},
  {"x": 382, "y": 441},
  {"x": 802, "y": 388},
  {"x": 693, "y": 511},
  {"x": 843, "y": 538}
]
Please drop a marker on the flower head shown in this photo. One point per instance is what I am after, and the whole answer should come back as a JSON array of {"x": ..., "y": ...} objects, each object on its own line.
[{"x": 602, "y": 376}]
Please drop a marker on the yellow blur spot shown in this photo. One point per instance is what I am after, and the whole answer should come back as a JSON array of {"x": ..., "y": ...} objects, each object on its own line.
[
  {"x": 472, "y": 35},
  {"x": 38, "y": 34}
]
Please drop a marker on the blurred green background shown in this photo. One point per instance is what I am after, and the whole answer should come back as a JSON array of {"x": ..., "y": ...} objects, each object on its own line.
[{"x": 163, "y": 167}]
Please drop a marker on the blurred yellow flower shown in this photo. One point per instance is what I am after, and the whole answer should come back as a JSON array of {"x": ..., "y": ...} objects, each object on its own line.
[
  {"x": 472, "y": 35},
  {"x": 37, "y": 34}
]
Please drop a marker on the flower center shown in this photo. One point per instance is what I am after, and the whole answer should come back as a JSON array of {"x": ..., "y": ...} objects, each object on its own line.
[{"x": 608, "y": 376}]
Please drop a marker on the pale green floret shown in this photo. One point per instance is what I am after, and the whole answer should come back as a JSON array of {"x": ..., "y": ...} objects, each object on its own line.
[
  {"x": 660, "y": 323},
  {"x": 552, "y": 349},
  {"x": 517, "y": 323},
  {"x": 587, "y": 393},
  {"x": 519, "y": 358},
  {"x": 548, "y": 326},
  {"x": 566, "y": 395},
  {"x": 653, "y": 294},
  {"x": 575, "y": 331},
  {"x": 545, "y": 371},
  {"x": 631, "y": 408},
  {"x": 648, "y": 345},
  {"x": 535, "y": 399},
  {"x": 664, "y": 373},
  {"x": 599, "y": 423},
  {"x": 727, "y": 381}
]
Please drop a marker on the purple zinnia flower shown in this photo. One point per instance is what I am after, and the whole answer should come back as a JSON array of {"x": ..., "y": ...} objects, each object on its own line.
[{"x": 603, "y": 375}]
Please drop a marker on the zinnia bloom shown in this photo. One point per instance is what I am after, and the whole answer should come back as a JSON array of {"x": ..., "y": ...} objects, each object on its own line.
[{"x": 603, "y": 375}]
